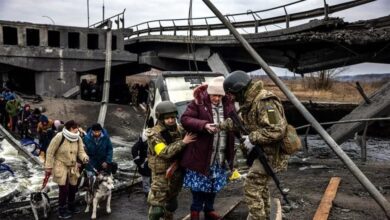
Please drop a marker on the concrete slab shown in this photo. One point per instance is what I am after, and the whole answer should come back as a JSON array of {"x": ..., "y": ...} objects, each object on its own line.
[{"x": 380, "y": 106}]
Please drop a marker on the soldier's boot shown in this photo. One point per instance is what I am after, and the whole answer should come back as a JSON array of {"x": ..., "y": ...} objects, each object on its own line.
[
  {"x": 168, "y": 215},
  {"x": 156, "y": 212},
  {"x": 195, "y": 215},
  {"x": 212, "y": 215}
]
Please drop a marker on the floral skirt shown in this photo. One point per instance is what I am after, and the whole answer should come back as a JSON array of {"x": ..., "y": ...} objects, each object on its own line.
[{"x": 200, "y": 183}]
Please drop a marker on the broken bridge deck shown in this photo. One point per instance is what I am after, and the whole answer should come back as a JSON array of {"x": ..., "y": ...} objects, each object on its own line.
[{"x": 379, "y": 106}]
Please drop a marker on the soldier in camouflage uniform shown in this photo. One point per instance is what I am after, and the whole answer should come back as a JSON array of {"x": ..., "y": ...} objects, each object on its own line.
[
  {"x": 263, "y": 116},
  {"x": 165, "y": 143}
]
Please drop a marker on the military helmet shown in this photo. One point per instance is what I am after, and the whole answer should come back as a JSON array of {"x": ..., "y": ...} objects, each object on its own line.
[
  {"x": 236, "y": 81},
  {"x": 165, "y": 107}
]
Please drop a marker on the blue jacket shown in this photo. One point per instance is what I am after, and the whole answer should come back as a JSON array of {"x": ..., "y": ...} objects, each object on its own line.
[{"x": 99, "y": 150}]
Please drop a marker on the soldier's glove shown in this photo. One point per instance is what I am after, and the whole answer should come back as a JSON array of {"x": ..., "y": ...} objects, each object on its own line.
[
  {"x": 226, "y": 125},
  {"x": 247, "y": 144}
]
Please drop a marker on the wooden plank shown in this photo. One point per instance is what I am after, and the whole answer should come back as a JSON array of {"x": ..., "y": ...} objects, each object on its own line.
[
  {"x": 323, "y": 210},
  {"x": 72, "y": 92},
  {"x": 276, "y": 209}
]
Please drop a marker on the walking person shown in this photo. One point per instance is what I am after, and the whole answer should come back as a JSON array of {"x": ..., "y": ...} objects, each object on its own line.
[
  {"x": 45, "y": 132},
  {"x": 33, "y": 121},
  {"x": 140, "y": 152},
  {"x": 208, "y": 160},
  {"x": 61, "y": 161},
  {"x": 166, "y": 141},
  {"x": 22, "y": 120},
  {"x": 3, "y": 112},
  {"x": 263, "y": 116},
  {"x": 12, "y": 107},
  {"x": 99, "y": 149}
]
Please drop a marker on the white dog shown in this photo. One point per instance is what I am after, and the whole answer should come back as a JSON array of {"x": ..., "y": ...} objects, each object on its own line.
[
  {"x": 40, "y": 200},
  {"x": 101, "y": 189}
]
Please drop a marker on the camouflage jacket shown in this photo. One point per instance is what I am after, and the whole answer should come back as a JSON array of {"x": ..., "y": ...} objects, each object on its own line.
[
  {"x": 162, "y": 152},
  {"x": 263, "y": 116}
]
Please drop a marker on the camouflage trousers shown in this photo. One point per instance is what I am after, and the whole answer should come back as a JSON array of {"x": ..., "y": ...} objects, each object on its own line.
[
  {"x": 256, "y": 192},
  {"x": 163, "y": 192}
]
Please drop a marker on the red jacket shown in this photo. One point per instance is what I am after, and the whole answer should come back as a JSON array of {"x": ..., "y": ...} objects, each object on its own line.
[{"x": 197, "y": 155}]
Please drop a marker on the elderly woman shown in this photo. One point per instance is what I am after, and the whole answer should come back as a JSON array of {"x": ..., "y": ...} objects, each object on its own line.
[
  {"x": 61, "y": 161},
  {"x": 208, "y": 159}
]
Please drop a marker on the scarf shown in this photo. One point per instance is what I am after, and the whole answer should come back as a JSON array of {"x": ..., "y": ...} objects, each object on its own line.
[
  {"x": 219, "y": 142},
  {"x": 72, "y": 137}
]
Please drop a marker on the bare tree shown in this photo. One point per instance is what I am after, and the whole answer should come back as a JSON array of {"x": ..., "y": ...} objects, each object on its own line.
[{"x": 323, "y": 79}]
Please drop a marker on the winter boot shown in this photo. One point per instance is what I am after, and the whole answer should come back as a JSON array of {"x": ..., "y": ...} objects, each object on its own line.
[
  {"x": 195, "y": 215},
  {"x": 73, "y": 208},
  {"x": 213, "y": 215},
  {"x": 63, "y": 213}
]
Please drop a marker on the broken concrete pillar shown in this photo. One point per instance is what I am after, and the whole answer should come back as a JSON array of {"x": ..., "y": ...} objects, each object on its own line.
[{"x": 217, "y": 64}]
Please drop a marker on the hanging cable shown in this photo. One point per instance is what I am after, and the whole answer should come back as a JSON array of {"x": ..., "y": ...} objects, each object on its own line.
[{"x": 190, "y": 46}]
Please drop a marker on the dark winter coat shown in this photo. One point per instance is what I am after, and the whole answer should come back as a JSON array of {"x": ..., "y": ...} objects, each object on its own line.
[
  {"x": 197, "y": 155},
  {"x": 99, "y": 150},
  {"x": 140, "y": 151}
]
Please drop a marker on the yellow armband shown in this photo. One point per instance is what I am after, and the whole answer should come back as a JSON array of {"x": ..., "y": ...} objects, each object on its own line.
[
  {"x": 235, "y": 175},
  {"x": 159, "y": 147}
]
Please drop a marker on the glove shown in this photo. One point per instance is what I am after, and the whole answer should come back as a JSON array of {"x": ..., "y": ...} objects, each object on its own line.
[
  {"x": 226, "y": 125},
  {"x": 247, "y": 144},
  {"x": 86, "y": 160}
]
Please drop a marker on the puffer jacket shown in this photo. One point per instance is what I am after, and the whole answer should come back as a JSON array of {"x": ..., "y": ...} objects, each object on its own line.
[
  {"x": 197, "y": 155},
  {"x": 62, "y": 159}
]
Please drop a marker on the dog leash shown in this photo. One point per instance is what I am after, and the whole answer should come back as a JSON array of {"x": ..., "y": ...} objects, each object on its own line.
[
  {"x": 93, "y": 168},
  {"x": 45, "y": 180}
]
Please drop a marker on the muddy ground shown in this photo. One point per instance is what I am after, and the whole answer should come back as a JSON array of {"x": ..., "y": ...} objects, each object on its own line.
[{"x": 306, "y": 180}]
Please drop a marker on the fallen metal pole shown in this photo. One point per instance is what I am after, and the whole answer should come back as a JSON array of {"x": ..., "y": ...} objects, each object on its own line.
[
  {"x": 107, "y": 76},
  {"x": 16, "y": 144},
  {"x": 378, "y": 197}
]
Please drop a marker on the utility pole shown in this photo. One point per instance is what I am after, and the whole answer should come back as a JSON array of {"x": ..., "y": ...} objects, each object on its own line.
[
  {"x": 88, "y": 12},
  {"x": 103, "y": 10},
  {"x": 107, "y": 76}
]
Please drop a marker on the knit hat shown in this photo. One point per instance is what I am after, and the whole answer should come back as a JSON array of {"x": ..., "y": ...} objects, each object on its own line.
[
  {"x": 96, "y": 127},
  {"x": 57, "y": 123},
  {"x": 215, "y": 87},
  {"x": 43, "y": 118}
]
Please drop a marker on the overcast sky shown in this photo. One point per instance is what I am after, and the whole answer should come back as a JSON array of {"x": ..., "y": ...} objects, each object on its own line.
[{"x": 74, "y": 12}]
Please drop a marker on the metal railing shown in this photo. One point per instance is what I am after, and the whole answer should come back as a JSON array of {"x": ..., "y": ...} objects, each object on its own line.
[
  {"x": 361, "y": 141},
  {"x": 249, "y": 19},
  {"x": 118, "y": 18}
]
